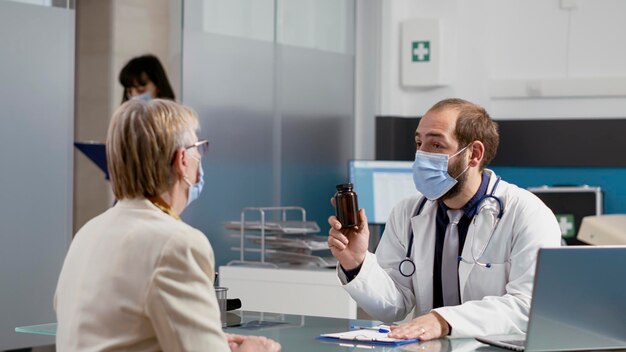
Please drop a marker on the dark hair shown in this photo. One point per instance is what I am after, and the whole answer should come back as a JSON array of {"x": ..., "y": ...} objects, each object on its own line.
[
  {"x": 473, "y": 124},
  {"x": 147, "y": 66}
]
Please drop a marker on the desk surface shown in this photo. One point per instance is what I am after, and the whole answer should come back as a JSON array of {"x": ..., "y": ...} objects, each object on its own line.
[{"x": 299, "y": 332}]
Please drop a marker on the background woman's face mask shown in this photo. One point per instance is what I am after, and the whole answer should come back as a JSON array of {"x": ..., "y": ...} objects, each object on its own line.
[
  {"x": 147, "y": 96},
  {"x": 430, "y": 173}
]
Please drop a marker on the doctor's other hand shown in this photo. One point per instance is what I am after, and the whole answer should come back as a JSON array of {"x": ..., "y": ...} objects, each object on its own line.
[
  {"x": 349, "y": 245},
  {"x": 239, "y": 343},
  {"x": 426, "y": 327}
]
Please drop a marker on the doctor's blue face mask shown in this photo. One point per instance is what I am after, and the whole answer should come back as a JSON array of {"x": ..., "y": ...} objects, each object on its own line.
[{"x": 430, "y": 173}]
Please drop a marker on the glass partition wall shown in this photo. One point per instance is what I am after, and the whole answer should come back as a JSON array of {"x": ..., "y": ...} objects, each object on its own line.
[
  {"x": 36, "y": 135},
  {"x": 273, "y": 84}
]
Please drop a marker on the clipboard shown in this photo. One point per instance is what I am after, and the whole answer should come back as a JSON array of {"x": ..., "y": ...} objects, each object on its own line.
[
  {"x": 96, "y": 152},
  {"x": 366, "y": 336}
]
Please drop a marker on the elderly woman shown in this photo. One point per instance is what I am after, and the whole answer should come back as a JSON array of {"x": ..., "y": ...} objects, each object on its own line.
[{"x": 137, "y": 278}]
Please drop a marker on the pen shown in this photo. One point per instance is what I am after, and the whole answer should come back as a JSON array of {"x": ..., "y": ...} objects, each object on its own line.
[{"x": 375, "y": 328}]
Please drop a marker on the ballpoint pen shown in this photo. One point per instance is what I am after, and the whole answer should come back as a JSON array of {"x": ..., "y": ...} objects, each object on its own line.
[{"x": 375, "y": 328}]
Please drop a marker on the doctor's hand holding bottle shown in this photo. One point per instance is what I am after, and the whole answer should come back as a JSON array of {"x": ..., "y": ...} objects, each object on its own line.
[{"x": 349, "y": 245}]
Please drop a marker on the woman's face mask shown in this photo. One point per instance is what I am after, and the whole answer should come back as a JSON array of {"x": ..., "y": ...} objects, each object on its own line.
[
  {"x": 430, "y": 173},
  {"x": 143, "y": 91},
  {"x": 145, "y": 96},
  {"x": 195, "y": 188}
]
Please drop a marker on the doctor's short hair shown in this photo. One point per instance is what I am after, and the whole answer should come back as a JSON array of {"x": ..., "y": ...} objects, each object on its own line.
[
  {"x": 142, "y": 140},
  {"x": 473, "y": 124}
]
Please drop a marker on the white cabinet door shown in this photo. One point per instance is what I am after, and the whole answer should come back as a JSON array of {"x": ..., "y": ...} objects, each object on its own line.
[{"x": 289, "y": 291}]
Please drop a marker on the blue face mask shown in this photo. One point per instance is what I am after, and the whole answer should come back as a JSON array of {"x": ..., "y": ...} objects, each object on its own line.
[
  {"x": 145, "y": 96},
  {"x": 430, "y": 173},
  {"x": 195, "y": 189}
]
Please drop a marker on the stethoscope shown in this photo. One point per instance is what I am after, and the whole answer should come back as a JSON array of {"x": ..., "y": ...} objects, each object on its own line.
[{"x": 407, "y": 266}]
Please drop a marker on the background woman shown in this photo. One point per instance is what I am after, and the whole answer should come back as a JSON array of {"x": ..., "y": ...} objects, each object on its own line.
[{"x": 144, "y": 77}]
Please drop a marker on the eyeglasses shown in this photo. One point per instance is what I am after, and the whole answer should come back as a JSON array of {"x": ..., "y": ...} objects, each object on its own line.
[{"x": 203, "y": 147}]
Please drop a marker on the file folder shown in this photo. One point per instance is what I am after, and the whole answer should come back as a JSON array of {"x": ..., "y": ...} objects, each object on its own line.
[{"x": 96, "y": 152}]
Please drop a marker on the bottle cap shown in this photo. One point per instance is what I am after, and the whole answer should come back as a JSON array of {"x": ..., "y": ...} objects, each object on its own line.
[{"x": 344, "y": 187}]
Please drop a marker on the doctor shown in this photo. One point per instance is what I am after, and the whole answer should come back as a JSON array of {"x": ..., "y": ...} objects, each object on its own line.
[{"x": 462, "y": 253}]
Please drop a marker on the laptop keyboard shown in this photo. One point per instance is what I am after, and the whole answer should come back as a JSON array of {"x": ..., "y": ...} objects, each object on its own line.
[
  {"x": 520, "y": 343},
  {"x": 513, "y": 345}
]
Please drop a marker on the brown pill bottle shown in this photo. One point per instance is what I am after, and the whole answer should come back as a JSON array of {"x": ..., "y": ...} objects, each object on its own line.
[{"x": 347, "y": 206}]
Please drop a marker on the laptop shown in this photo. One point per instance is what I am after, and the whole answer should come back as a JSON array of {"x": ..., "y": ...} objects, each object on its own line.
[{"x": 579, "y": 302}]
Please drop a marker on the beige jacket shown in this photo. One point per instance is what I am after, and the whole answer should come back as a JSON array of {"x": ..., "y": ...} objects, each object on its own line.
[{"x": 136, "y": 279}]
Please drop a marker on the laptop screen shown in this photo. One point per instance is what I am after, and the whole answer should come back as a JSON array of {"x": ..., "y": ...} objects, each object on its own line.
[{"x": 579, "y": 299}]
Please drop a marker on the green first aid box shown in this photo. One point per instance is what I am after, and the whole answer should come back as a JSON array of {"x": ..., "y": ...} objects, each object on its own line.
[{"x": 570, "y": 204}]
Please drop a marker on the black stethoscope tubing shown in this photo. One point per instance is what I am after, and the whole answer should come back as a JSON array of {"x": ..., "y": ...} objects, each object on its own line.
[{"x": 407, "y": 266}]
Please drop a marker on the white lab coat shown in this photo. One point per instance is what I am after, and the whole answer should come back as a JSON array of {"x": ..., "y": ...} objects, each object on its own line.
[{"x": 494, "y": 300}]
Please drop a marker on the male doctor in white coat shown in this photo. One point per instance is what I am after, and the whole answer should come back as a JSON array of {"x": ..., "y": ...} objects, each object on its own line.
[{"x": 462, "y": 251}]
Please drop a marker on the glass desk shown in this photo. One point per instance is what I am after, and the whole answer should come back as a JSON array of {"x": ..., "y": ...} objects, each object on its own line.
[
  {"x": 49, "y": 329},
  {"x": 299, "y": 333}
]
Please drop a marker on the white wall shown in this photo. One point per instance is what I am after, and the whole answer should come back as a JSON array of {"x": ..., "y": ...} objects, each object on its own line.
[
  {"x": 147, "y": 27},
  {"x": 94, "y": 73},
  {"x": 522, "y": 46},
  {"x": 109, "y": 33},
  {"x": 367, "y": 66}
]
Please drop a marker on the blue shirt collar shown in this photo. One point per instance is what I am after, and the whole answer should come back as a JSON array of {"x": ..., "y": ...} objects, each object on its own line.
[{"x": 470, "y": 208}]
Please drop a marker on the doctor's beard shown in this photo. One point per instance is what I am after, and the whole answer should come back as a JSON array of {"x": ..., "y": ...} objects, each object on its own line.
[{"x": 454, "y": 170}]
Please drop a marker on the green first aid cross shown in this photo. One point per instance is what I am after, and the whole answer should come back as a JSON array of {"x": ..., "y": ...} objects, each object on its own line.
[
  {"x": 566, "y": 222},
  {"x": 420, "y": 51}
]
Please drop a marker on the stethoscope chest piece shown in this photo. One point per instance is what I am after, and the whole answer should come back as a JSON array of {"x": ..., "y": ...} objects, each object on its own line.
[{"x": 407, "y": 267}]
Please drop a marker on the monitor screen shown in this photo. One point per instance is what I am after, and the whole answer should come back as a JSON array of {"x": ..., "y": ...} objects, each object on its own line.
[{"x": 380, "y": 185}]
